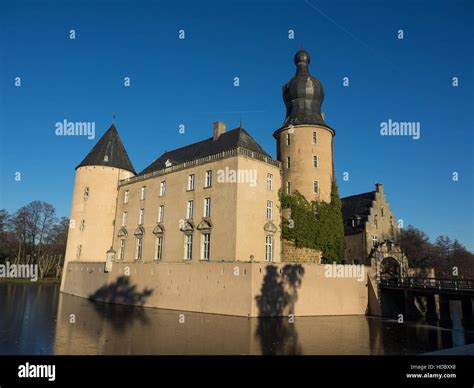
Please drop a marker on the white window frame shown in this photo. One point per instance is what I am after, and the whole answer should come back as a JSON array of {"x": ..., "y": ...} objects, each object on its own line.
[
  {"x": 288, "y": 139},
  {"x": 124, "y": 218},
  {"x": 122, "y": 249},
  {"x": 268, "y": 248},
  {"x": 191, "y": 182},
  {"x": 126, "y": 196},
  {"x": 139, "y": 248},
  {"x": 143, "y": 193},
  {"x": 207, "y": 207},
  {"x": 288, "y": 187},
  {"x": 269, "y": 210},
  {"x": 141, "y": 217},
  {"x": 206, "y": 246},
  {"x": 159, "y": 248},
  {"x": 269, "y": 181},
  {"x": 162, "y": 188},
  {"x": 208, "y": 179},
  {"x": 188, "y": 247},
  {"x": 161, "y": 214},
  {"x": 375, "y": 240},
  {"x": 190, "y": 210}
]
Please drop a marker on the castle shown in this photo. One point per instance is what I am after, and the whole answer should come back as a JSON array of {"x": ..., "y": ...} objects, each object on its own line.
[{"x": 214, "y": 201}]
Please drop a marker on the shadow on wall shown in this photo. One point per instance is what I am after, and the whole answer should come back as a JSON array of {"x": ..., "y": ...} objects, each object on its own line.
[
  {"x": 278, "y": 295},
  {"x": 125, "y": 309}
]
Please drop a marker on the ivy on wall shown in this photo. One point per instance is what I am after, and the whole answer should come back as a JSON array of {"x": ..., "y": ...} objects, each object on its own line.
[{"x": 316, "y": 225}]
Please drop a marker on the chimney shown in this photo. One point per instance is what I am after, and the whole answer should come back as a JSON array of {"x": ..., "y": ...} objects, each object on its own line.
[
  {"x": 379, "y": 187},
  {"x": 219, "y": 129}
]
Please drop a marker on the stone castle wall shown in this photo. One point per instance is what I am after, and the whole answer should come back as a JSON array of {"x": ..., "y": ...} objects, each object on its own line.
[{"x": 292, "y": 254}]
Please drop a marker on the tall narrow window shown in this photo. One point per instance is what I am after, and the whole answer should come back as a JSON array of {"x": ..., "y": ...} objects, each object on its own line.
[
  {"x": 288, "y": 187},
  {"x": 190, "y": 182},
  {"x": 315, "y": 137},
  {"x": 315, "y": 161},
  {"x": 381, "y": 211},
  {"x": 269, "y": 182},
  {"x": 269, "y": 248},
  {"x": 288, "y": 139},
  {"x": 376, "y": 221},
  {"x": 207, "y": 207},
  {"x": 125, "y": 196},
  {"x": 159, "y": 248},
  {"x": 79, "y": 251},
  {"x": 161, "y": 213},
  {"x": 269, "y": 210},
  {"x": 288, "y": 162},
  {"x": 143, "y": 193},
  {"x": 315, "y": 186},
  {"x": 86, "y": 194},
  {"x": 208, "y": 182},
  {"x": 141, "y": 218},
  {"x": 122, "y": 249},
  {"x": 139, "y": 252},
  {"x": 188, "y": 246},
  {"x": 375, "y": 241},
  {"x": 162, "y": 188},
  {"x": 190, "y": 210},
  {"x": 206, "y": 246},
  {"x": 82, "y": 225},
  {"x": 124, "y": 218}
]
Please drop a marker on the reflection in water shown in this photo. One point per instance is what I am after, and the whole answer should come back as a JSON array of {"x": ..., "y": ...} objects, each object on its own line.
[{"x": 28, "y": 325}]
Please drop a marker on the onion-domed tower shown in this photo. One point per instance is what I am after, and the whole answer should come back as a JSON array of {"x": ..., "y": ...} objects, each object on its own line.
[{"x": 305, "y": 141}]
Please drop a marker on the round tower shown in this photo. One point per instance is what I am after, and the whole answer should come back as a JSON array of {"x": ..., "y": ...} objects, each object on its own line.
[
  {"x": 305, "y": 141},
  {"x": 94, "y": 200}
]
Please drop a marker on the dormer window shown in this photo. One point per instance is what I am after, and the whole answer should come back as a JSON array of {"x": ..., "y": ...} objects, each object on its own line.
[
  {"x": 106, "y": 158},
  {"x": 168, "y": 163}
]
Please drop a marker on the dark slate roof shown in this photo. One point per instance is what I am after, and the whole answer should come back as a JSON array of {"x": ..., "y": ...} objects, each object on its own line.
[
  {"x": 356, "y": 206},
  {"x": 109, "y": 151},
  {"x": 237, "y": 137}
]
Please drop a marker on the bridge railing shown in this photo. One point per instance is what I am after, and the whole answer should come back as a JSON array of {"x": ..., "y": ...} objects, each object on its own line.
[{"x": 429, "y": 283}]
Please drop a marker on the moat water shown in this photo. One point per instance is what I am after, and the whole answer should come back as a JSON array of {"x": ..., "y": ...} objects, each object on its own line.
[{"x": 37, "y": 319}]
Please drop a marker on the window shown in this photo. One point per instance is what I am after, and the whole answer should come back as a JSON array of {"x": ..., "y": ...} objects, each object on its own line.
[
  {"x": 315, "y": 138},
  {"x": 79, "y": 251},
  {"x": 375, "y": 221},
  {"x": 139, "y": 252},
  {"x": 161, "y": 213},
  {"x": 381, "y": 211},
  {"x": 269, "y": 182},
  {"x": 122, "y": 249},
  {"x": 159, "y": 248},
  {"x": 288, "y": 187},
  {"x": 288, "y": 162},
  {"x": 315, "y": 161},
  {"x": 190, "y": 210},
  {"x": 288, "y": 141},
  {"x": 86, "y": 194},
  {"x": 82, "y": 225},
  {"x": 207, "y": 207},
  {"x": 191, "y": 182},
  {"x": 269, "y": 210},
  {"x": 162, "y": 188},
  {"x": 315, "y": 187},
  {"x": 269, "y": 248},
  {"x": 143, "y": 193},
  {"x": 375, "y": 241},
  {"x": 188, "y": 246},
  {"x": 124, "y": 218},
  {"x": 125, "y": 196},
  {"x": 208, "y": 182},
  {"x": 141, "y": 218},
  {"x": 206, "y": 246}
]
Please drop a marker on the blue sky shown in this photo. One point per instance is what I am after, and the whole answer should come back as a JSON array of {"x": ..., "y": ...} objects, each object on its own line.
[{"x": 190, "y": 82}]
